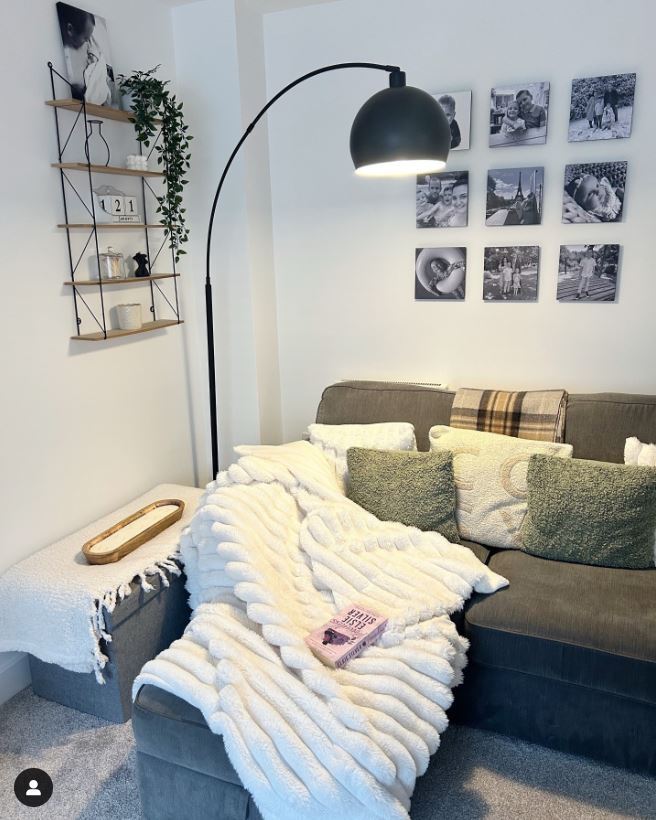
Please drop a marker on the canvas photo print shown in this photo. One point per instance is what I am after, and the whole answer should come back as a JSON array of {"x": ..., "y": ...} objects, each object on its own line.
[
  {"x": 440, "y": 273},
  {"x": 588, "y": 273},
  {"x": 601, "y": 108},
  {"x": 514, "y": 196},
  {"x": 442, "y": 200},
  {"x": 87, "y": 56},
  {"x": 457, "y": 107},
  {"x": 594, "y": 192},
  {"x": 511, "y": 273},
  {"x": 518, "y": 114}
]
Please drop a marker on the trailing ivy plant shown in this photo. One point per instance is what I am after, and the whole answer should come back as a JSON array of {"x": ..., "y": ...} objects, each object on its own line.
[{"x": 152, "y": 101}]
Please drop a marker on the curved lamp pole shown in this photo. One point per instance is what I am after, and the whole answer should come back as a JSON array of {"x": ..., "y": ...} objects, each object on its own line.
[{"x": 399, "y": 131}]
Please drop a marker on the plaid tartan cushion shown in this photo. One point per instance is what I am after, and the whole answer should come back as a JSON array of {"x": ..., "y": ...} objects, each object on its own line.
[{"x": 536, "y": 414}]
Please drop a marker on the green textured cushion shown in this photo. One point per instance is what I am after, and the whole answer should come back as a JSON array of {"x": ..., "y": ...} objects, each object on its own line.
[
  {"x": 591, "y": 512},
  {"x": 416, "y": 489}
]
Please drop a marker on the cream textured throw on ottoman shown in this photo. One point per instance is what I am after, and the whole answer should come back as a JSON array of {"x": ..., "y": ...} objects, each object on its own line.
[
  {"x": 274, "y": 550},
  {"x": 52, "y": 604}
]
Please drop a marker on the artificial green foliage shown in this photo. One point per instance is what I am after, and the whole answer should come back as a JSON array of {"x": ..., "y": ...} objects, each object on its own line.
[{"x": 152, "y": 101}]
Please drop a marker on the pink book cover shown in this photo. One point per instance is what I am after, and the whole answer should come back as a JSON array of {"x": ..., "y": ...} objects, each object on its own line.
[{"x": 345, "y": 635}]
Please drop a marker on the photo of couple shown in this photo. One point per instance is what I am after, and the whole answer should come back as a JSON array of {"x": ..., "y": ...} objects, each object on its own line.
[
  {"x": 442, "y": 200},
  {"x": 511, "y": 274},
  {"x": 602, "y": 108},
  {"x": 594, "y": 192},
  {"x": 518, "y": 115}
]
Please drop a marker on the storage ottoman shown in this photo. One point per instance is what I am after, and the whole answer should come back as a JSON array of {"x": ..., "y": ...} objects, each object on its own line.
[
  {"x": 141, "y": 626},
  {"x": 88, "y": 629}
]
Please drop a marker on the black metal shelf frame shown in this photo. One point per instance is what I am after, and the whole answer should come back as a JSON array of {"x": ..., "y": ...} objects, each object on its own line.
[{"x": 100, "y": 319}]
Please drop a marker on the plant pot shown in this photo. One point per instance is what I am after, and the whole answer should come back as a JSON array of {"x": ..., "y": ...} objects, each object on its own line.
[
  {"x": 127, "y": 101},
  {"x": 129, "y": 316}
]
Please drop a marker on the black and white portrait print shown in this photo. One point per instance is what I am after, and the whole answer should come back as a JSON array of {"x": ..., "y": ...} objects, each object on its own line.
[
  {"x": 601, "y": 108},
  {"x": 594, "y": 192},
  {"x": 514, "y": 196},
  {"x": 457, "y": 107},
  {"x": 588, "y": 273},
  {"x": 518, "y": 114},
  {"x": 511, "y": 273},
  {"x": 440, "y": 273},
  {"x": 442, "y": 200}
]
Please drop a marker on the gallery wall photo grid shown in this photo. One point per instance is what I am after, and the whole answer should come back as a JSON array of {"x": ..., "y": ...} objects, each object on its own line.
[
  {"x": 588, "y": 273},
  {"x": 514, "y": 196},
  {"x": 594, "y": 192},
  {"x": 442, "y": 199},
  {"x": 440, "y": 274},
  {"x": 519, "y": 114},
  {"x": 89, "y": 64},
  {"x": 601, "y": 108},
  {"x": 510, "y": 273}
]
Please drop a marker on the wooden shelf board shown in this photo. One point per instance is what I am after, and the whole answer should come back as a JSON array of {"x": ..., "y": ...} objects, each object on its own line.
[
  {"x": 105, "y": 169},
  {"x": 130, "y": 280},
  {"x": 111, "y": 225},
  {"x": 102, "y": 111},
  {"x": 114, "y": 334}
]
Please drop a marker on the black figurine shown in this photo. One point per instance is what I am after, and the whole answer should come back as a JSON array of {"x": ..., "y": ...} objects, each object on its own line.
[{"x": 142, "y": 264}]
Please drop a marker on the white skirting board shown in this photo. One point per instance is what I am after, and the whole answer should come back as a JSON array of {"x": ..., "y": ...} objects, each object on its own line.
[{"x": 14, "y": 674}]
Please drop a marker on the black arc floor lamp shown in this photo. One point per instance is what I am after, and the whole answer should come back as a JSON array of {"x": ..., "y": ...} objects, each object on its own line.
[{"x": 400, "y": 131}]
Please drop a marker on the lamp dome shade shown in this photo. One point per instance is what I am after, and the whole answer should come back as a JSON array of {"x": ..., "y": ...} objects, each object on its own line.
[{"x": 400, "y": 131}]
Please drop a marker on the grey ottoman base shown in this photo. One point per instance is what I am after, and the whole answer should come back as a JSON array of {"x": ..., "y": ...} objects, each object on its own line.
[{"x": 142, "y": 625}]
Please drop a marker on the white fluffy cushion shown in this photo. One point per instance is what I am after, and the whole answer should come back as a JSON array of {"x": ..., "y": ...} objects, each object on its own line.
[
  {"x": 335, "y": 439},
  {"x": 490, "y": 472},
  {"x": 635, "y": 452}
]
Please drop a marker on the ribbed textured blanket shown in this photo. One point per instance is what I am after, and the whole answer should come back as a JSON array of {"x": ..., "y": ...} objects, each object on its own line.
[{"x": 274, "y": 551}]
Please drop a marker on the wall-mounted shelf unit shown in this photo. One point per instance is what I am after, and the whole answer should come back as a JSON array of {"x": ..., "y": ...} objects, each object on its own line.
[{"x": 90, "y": 309}]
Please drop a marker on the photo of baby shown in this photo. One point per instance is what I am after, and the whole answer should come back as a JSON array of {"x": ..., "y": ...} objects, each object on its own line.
[
  {"x": 518, "y": 115},
  {"x": 87, "y": 56},
  {"x": 442, "y": 200},
  {"x": 440, "y": 273},
  {"x": 511, "y": 274},
  {"x": 588, "y": 273},
  {"x": 457, "y": 107},
  {"x": 594, "y": 192},
  {"x": 601, "y": 108}
]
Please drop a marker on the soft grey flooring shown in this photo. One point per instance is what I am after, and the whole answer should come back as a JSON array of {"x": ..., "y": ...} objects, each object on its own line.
[{"x": 474, "y": 774}]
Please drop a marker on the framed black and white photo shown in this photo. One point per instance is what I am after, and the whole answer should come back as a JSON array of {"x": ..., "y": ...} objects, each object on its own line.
[
  {"x": 440, "y": 273},
  {"x": 601, "y": 108},
  {"x": 518, "y": 114},
  {"x": 511, "y": 273},
  {"x": 87, "y": 56},
  {"x": 588, "y": 273},
  {"x": 457, "y": 107},
  {"x": 442, "y": 200},
  {"x": 594, "y": 192},
  {"x": 514, "y": 196}
]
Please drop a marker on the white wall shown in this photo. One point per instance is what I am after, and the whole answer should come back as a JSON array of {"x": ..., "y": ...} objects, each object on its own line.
[
  {"x": 85, "y": 426},
  {"x": 344, "y": 247}
]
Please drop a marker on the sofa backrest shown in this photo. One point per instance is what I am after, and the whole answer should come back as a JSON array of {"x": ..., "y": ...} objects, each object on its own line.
[{"x": 596, "y": 424}]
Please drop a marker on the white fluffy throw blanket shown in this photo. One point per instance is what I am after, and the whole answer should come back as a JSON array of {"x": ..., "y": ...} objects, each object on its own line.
[{"x": 273, "y": 551}]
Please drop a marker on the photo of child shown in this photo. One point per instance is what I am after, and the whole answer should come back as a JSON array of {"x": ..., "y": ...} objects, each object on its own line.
[
  {"x": 601, "y": 108},
  {"x": 594, "y": 192},
  {"x": 457, "y": 107},
  {"x": 442, "y": 200},
  {"x": 518, "y": 115},
  {"x": 511, "y": 274},
  {"x": 440, "y": 273},
  {"x": 588, "y": 273}
]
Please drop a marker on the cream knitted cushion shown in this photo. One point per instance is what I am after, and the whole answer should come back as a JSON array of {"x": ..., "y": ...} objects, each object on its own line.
[
  {"x": 335, "y": 439},
  {"x": 490, "y": 472},
  {"x": 636, "y": 452}
]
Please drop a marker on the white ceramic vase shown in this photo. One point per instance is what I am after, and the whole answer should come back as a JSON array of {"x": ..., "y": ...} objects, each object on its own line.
[{"x": 129, "y": 316}]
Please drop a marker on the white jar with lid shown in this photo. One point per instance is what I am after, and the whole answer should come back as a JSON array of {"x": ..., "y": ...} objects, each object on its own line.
[{"x": 129, "y": 316}]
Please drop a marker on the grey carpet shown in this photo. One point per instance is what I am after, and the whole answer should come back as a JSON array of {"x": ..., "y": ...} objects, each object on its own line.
[{"x": 474, "y": 774}]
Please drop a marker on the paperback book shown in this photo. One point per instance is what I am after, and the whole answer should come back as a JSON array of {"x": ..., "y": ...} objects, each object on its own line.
[{"x": 346, "y": 635}]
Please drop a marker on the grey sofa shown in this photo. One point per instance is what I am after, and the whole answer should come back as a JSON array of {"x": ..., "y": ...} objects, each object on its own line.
[{"x": 565, "y": 656}]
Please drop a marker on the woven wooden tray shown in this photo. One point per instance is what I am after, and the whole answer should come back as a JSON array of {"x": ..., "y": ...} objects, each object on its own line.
[{"x": 137, "y": 540}]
